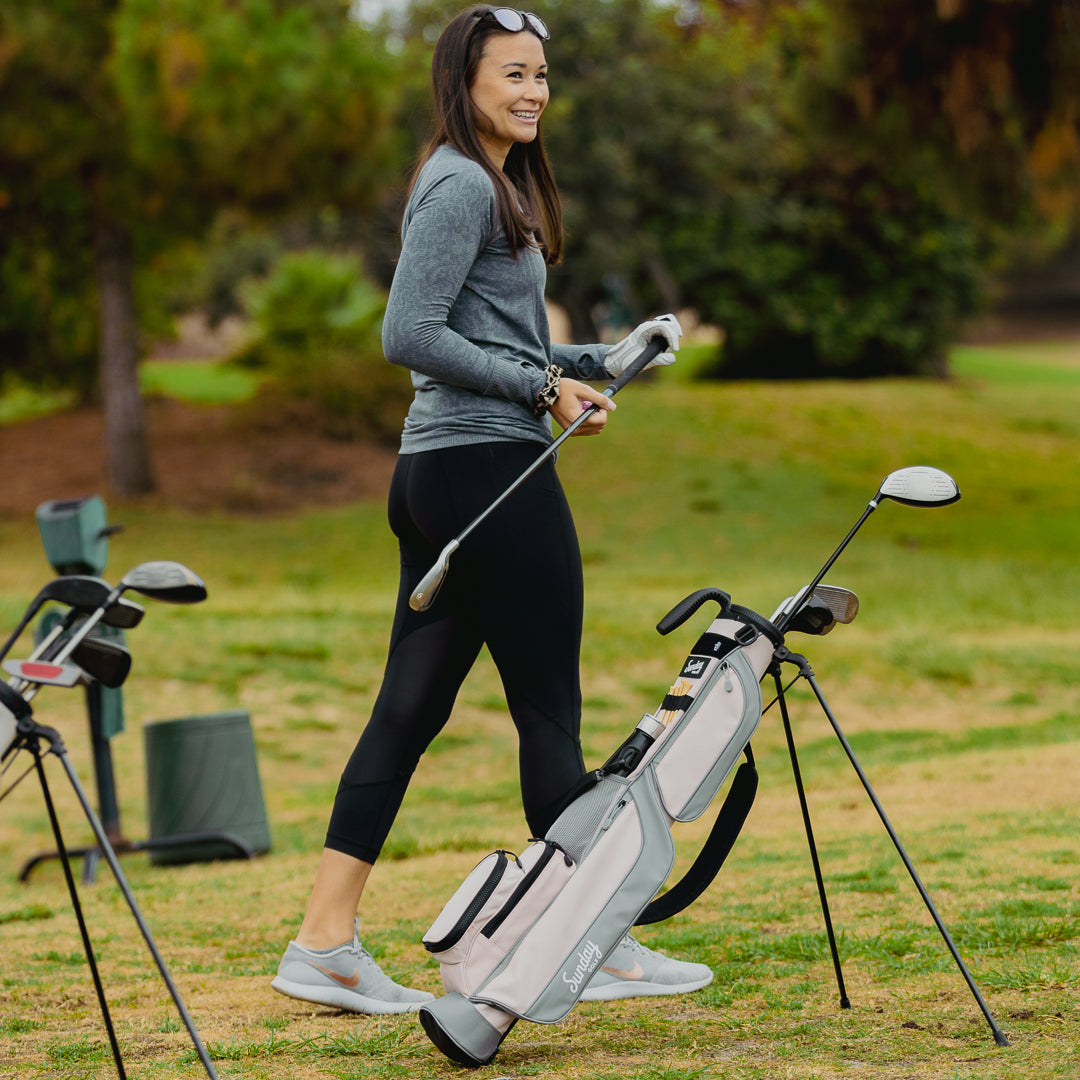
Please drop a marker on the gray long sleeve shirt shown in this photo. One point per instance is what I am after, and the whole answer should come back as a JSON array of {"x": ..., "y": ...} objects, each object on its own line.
[{"x": 468, "y": 319}]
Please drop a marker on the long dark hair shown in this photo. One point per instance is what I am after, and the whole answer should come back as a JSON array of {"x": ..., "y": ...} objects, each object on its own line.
[{"x": 526, "y": 198}]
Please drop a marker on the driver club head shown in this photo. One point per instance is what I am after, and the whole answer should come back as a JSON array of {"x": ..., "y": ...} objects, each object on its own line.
[
  {"x": 165, "y": 580},
  {"x": 919, "y": 485}
]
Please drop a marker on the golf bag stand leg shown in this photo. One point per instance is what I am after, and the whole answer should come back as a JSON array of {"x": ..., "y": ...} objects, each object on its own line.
[
  {"x": 56, "y": 747},
  {"x": 33, "y": 746},
  {"x": 797, "y": 772},
  {"x": 807, "y": 673}
]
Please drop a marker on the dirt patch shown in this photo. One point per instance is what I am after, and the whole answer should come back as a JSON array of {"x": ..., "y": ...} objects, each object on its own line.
[{"x": 204, "y": 458}]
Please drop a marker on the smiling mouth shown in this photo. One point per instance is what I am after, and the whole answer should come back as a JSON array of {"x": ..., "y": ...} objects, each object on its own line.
[{"x": 529, "y": 117}]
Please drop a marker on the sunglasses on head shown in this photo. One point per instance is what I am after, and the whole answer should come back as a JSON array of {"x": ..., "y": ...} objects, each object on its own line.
[{"x": 514, "y": 21}]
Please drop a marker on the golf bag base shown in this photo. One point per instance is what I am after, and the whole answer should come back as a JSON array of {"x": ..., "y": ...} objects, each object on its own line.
[
  {"x": 459, "y": 1029},
  {"x": 523, "y": 934}
]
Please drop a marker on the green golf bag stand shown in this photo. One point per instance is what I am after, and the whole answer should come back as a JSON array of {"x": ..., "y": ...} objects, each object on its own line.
[{"x": 224, "y": 815}]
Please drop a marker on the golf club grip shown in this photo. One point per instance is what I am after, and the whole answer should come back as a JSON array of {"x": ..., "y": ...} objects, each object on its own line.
[{"x": 652, "y": 350}]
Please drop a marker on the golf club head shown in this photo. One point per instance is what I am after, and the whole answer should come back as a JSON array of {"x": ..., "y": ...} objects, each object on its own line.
[
  {"x": 106, "y": 661},
  {"x": 123, "y": 614},
  {"x": 813, "y": 617},
  {"x": 45, "y": 672},
  {"x": 77, "y": 590},
  {"x": 423, "y": 596},
  {"x": 843, "y": 603},
  {"x": 919, "y": 485},
  {"x": 820, "y": 614},
  {"x": 77, "y": 584},
  {"x": 86, "y": 594},
  {"x": 171, "y": 582}
]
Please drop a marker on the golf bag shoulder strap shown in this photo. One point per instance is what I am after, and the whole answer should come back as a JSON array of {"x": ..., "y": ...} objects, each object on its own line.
[{"x": 721, "y": 839}]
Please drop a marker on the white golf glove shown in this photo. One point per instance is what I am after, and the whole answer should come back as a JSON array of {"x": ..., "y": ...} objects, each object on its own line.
[{"x": 623, "y": 353}]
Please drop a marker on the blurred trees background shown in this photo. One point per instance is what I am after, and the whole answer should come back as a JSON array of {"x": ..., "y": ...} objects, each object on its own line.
[{"x": 835, "y": 183}]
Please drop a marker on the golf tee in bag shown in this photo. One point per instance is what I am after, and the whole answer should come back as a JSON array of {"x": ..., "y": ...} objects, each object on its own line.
[{"x": 524, "y": 933}]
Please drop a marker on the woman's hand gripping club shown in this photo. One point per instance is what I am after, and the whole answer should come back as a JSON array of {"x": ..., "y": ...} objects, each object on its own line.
[{"x": 424, "y": 594}]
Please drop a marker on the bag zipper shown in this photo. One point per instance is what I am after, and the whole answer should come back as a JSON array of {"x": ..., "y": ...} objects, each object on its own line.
[
  {"x": 475, "y": 906},
  {"x": 523, "y": 886}
]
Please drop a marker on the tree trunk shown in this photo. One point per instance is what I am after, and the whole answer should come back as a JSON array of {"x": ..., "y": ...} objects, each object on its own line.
[
  {"x": 582, "y": 324},
  {"x": 127, "y": 452},
  {"x": 664, "y": 280}
]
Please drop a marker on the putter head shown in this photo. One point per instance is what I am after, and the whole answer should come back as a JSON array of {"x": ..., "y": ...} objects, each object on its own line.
[
  {"x": 171, "y": 582},
  {"x": 919, "y": 485},
  {"x": 45, "y": 672}
]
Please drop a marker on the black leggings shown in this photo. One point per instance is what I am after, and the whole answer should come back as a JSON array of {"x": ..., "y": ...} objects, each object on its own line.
[{"x": 515, "y": 585}]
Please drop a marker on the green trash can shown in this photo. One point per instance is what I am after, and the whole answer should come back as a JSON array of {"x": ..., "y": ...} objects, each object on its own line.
[{"x": 203, "y": 792}]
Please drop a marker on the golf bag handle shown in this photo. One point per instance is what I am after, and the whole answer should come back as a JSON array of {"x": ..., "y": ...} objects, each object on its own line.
[{"x": 685, "y": 608}]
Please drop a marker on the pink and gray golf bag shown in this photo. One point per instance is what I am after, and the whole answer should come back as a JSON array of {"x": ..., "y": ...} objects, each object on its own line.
[{"x": 523, "y": 934}]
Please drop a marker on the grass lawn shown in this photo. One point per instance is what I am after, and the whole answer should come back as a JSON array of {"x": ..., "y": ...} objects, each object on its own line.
[{"x": 958, "y": 686}]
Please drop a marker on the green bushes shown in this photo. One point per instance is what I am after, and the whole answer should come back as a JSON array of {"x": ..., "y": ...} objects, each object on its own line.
[
  {"x": 840, "y": 275},
  {"x": 319, "y": 323}
]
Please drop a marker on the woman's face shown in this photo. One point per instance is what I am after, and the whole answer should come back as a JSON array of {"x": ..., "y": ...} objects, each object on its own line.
[{"x": 509, "y": 92}]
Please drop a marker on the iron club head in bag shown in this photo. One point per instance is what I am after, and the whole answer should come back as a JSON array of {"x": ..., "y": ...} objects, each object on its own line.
[
  {"x": 84, "y": 594},
  {"x": 107, "y": 662},
  {"x": 163, "y": 579}
]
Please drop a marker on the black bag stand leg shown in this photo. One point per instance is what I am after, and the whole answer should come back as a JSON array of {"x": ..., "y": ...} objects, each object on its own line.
[
  {"x": 109, "y": 812},
  {"x": 806, "y": 672},
  {"x": 31, "y": 736},
  {"x": 77, "y": 905},
  {"x": 844, "y": 1002}
]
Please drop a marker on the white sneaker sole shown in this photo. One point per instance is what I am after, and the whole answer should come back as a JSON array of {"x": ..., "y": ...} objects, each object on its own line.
[
  {"x": 340, "y": 998},
  {"x": 627, "y": 988}
]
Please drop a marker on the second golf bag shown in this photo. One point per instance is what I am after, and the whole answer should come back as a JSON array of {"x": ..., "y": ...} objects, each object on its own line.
[{"x": 523, "y": 934}]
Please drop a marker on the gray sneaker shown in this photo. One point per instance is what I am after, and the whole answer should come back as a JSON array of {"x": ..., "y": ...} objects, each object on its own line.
[
  {"x": 635, "y": 971},
  {"x": 346, "y": 978}
]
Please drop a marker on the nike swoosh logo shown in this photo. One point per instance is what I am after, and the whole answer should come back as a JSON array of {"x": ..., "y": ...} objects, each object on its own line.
[
  {"x": 634, "y": 973},
  {"x": 345, "y": 980}
]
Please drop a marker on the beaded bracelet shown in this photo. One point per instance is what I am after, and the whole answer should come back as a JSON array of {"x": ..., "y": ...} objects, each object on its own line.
[{"x": 549, "y": 392}]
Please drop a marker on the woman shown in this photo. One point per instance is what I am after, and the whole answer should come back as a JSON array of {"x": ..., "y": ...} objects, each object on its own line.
[{"x": 466, "y": 316}]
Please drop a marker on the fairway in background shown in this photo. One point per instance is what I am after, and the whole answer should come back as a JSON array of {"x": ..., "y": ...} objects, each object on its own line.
[{"x": 958, "y": 685}]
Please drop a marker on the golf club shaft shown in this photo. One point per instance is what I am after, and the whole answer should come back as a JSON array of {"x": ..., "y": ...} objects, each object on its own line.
[
  {"x": 808, "y": 591},
  {"x": 424, "y": 594}
]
